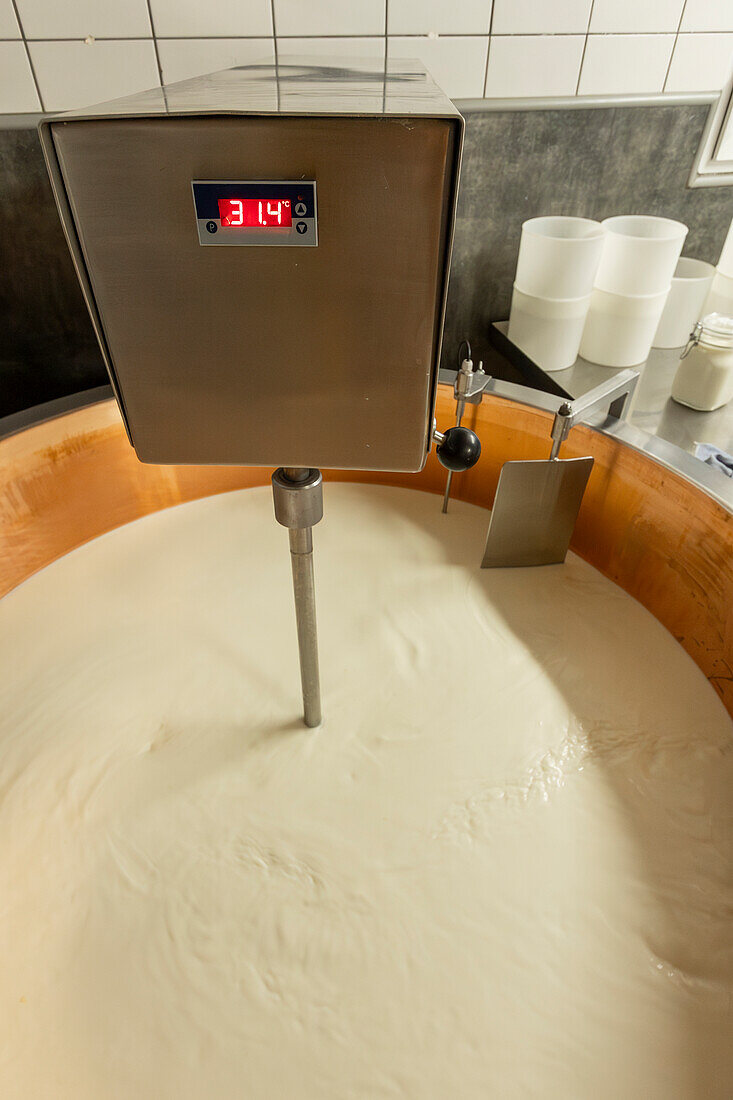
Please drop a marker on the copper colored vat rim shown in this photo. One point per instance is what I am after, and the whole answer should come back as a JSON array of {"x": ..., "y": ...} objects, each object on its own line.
[{"x": 68, "y": 474}]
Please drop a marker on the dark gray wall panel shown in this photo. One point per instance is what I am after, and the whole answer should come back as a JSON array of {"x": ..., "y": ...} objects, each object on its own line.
[
  {"x": 594, "y": 161},
  {"x": 47, "y": 346}
]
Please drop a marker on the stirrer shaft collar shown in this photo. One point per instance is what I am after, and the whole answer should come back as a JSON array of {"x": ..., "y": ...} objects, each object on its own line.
[{"x": 298, "y": 498}]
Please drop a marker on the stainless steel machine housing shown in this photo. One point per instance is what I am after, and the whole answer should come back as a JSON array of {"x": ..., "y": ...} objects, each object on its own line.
[{"x": 323, "y": 356}]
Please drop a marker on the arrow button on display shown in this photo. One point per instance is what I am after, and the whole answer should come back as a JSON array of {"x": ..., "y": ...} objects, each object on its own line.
[{"x": 301, "y": 209}]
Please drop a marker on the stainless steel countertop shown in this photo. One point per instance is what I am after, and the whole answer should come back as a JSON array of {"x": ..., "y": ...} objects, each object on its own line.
[{"x": 652, "y": 409}]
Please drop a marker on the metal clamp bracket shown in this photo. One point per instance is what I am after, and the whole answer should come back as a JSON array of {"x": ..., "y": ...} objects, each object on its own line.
[
  {"x": 613, "y": 395},
  {"x": 469, "y": 384}
]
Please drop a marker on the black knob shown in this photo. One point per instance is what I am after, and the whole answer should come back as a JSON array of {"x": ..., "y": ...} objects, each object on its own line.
[{"x": 459, "y": 450}]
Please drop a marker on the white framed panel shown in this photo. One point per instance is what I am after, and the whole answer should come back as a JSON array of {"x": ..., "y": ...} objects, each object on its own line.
[{"x": 714, "y": 161}]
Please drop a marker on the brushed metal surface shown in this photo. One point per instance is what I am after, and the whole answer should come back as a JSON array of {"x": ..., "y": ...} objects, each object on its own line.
[
  {"x": 294, "y": 85},
  {"x": 204, "y": 344},
  {"x": 534, "y": 513}
]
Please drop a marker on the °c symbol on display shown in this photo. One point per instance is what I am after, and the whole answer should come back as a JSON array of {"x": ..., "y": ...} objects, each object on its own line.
[
  {"x": 212, "y": 227},
  {"x": 301, "y": 227},
  {"x": 300, "y": 209}
]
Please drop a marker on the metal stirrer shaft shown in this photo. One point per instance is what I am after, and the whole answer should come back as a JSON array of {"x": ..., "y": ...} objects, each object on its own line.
[
  {"x": 304, "y": 590},
  {"x": 460, "y": 406},
  {"x": 298, "y": 497}
]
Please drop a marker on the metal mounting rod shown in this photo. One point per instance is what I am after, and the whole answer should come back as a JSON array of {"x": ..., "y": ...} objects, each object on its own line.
[
  {"x": 298, "y": 498},
  {"x": 468, "y": 382},
  {"x": 460, "y": 405}
]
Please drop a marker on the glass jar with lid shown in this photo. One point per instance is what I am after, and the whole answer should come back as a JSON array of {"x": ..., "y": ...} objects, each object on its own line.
[{"x": 704, "y": 378}]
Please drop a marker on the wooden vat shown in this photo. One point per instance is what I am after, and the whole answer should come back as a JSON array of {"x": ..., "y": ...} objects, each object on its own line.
[{"x": 654, "y": 533}]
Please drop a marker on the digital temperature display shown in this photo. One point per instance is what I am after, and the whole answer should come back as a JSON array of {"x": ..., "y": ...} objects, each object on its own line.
[{"x": 255, "y": 213}]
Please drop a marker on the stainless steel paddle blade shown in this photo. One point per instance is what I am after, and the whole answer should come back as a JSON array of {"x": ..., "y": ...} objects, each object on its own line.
[{"x": 536, "y": 506}]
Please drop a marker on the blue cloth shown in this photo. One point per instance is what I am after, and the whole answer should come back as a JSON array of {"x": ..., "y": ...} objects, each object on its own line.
[{"x": 714, "y": 457}]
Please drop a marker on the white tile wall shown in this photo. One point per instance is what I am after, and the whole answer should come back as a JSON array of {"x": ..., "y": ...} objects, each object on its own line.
[
  {"x": 74, "y": 74},
  {"x": 181, "y": 58},
  {"x": 697, "y": 67},
  {"x": 639, "y": 16},
  {"x": 17, "y": 89},
  {"x": 540, "y": 17},
  {"x": 708, "y": 15},
  {"x": 8, "y": 23},
  {"x": 534, "y": 65},
  {"x": 79, "y": 18},
  {"x": 85, "y": 51},
  {"x": 321, "y": 17},
  {"x": 624, "y": 63},
  {"x": 439, "y": 16},
  {"x": 458, "y": 64},
  {"x": 206, "y": 18}
]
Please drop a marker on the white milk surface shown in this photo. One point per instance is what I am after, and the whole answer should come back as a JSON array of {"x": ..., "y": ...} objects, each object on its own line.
[{"x": 501, "y": 869}]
